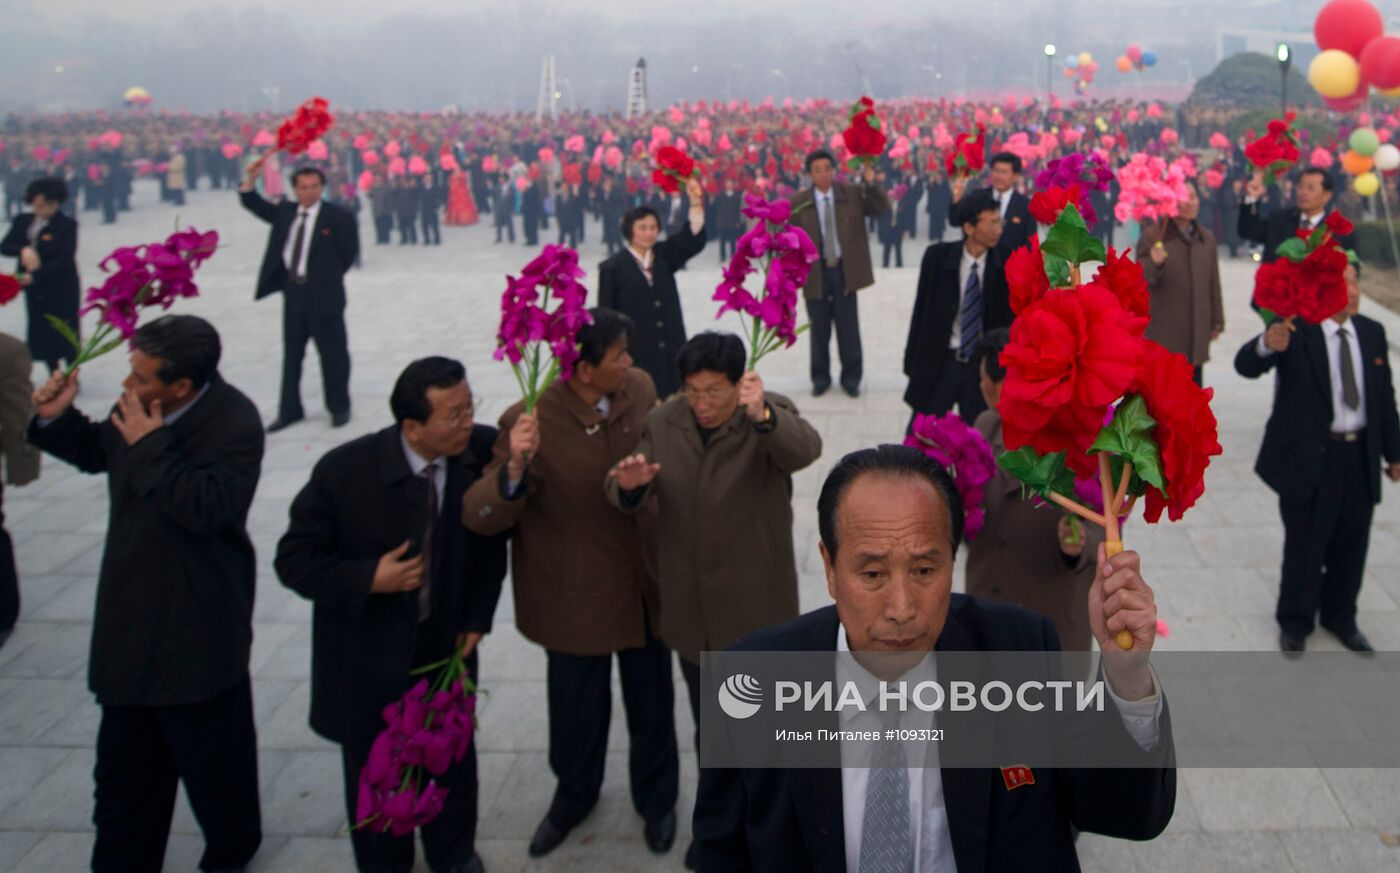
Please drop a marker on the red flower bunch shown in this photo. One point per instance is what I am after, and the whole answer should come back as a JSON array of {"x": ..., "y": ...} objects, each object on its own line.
[
  {"x": 1025, "y": 275},
  {"x": 967, "y": 456},
  {"x": 1047, "y": 205},
  {"x": 1185, "y": 431},
  {"x": 573, "y": 174},
  {"x": 863, "y": 137},
  {"x": 303, "y": 127},
  {"x": 9, "y": 288},
  {"x": 527, "y": 323},
  {"x": 1314, "y": 288},
  {"x": 673, "y": 167},
  {"x": 968, "y": 155},
  {"x": 1276, "y": 150}
]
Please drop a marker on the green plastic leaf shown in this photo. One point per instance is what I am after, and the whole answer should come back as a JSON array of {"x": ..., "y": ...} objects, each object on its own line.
[
  {"x": 1129, "y": 437},
  {"x": 1039, "y": 474},
  {"x": 65, "y": 331},
  {"x": 1056, "y": 270},
  {"x": 1268, "y": 315},
  {"x": 1069, "y": 238},
  {"x": 1293, "y": 248},
  {"x": 874, "y": 121}
]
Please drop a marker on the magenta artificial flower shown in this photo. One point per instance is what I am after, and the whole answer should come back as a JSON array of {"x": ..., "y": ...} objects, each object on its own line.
[
  {"x": 789, "y": 255},
  {"x": 967, "y": 456},
  {"x": 527, "y": 323},
  {"x": 776, "y": 211},
  {"x": 1087, "y": 173}
]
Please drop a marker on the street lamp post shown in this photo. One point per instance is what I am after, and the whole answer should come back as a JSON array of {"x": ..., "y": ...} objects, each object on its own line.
[
  {"x": 1049, "y": 73},
  {"x": 1285, "y": 60}
]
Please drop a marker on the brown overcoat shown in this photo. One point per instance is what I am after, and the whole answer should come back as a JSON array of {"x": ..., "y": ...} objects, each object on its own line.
[
  {"x": 724, "y": 522},
  {"x": 1185, "y": 289},
  {"x": 853, "y": 204},
  {"x": 579, "y": 567},
  {"x": 1017, "y": 559}
]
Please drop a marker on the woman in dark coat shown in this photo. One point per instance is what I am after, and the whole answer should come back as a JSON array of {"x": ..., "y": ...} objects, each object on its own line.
[
  {"x": 640, "y": 282},
  {"x": 46, "y": 243}
]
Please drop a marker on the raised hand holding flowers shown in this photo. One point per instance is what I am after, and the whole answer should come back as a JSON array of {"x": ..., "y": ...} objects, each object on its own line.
[
  {"x": 864, "y": 136},
  {"x": 527, "y": 325},
  {"x": 674, "y": 168},
  {"x": 1277, "y": 150},
  {"x": 309, "y": 123},
  {"x": 1308, "y": 278}
]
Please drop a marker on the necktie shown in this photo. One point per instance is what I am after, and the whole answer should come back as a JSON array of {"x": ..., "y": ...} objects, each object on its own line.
[
  {"x": 829, "y": 232},
  {"x": 885, "y": 844},
  {"x": 297, "y": 275},
  {"x": 971, "y": 322},
  {"x": 1351, "y": 396},
  {"x": 425, "y": 595}
]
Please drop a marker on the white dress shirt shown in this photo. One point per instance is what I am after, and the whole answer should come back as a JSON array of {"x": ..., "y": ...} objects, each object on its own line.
[
  {"x": 965, "y": 270},
  {"x": 928, "y": 811},
  {"x": 287, "y": 253},
  {"x": 1003, "y": 199},
  {"x": 1344, "y": 420},
  {"x": 823, "y": 201}
]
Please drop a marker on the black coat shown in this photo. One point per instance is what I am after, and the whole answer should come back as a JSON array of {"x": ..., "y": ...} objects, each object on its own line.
[
  {"x": 335, "y": 243},
  {"x": 791, "y": 820},
  {"x": 363, "y": 500},
  {"x": 1272, "y": 229},
  {"x": 658, "y": 328},
  {"x": 1295, "y": 438},
  {"x": 55, "y": 289},
  {"x": 174, "y": 619},
  {"x": 936, "y": 307},
  {"x": 1017, "y": 225},
  {"x": 729, "y": 207}
]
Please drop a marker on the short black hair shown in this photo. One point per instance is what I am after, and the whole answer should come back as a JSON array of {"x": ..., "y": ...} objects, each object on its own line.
[
  {"x": 188, "y": 348},
  {"x": 409, "y": 400},
  {"x": 634, "y": 215},
  {"x": 818, "y": 155},
  {"x": 1328, "y": 183},
  {"x": 969, "y": 209},
  {"x": 595, "y": 339},
  {"x": 1011, "y": 158},
  {"x": 888, "y": 460},
  {"x": 308, "y": 171},
  {"x": 714, "y": 351},
  {"x": 988, "y": 349},
  {"x": 50, "y": 188}
]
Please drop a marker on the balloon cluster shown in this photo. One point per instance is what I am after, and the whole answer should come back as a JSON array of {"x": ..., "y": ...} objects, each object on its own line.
[
  {"x": 1135, "y": 59},
  {"x": 1366, "y": 155},
  {"x": 1356, "y": 55},
  {"x": 137, "y": 97},
  {"x": 1082, "y": 68}
]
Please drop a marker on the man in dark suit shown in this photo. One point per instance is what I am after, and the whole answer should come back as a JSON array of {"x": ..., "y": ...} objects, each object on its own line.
[
  {"x": 45, "y": 242},
  {"x": 312, "y": 246},
  {"x": 612, "y": 203},
  {"x": 962, "y": 294},
  {"x": 890, "y": 522},
  {"x": 406, "y": 200},
  {"x": 1313, "y": 194},
  {"x": 432, "y": 194},
  {"x": 1333, "y": 419},
  {"x": 938, "y": 205},
  {"x": 1003, "y": 174},
  {"x": 174, "y": 621},
  {"x": 729, "y": 219},
  {"x": 833, "y": 214},
  {"x": 376, "y": 542}
]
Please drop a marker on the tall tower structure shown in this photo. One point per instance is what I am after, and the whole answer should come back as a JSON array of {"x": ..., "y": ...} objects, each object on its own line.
[
  {"x": 549, "y": 90},
  {"x": 637, "y": 89}
]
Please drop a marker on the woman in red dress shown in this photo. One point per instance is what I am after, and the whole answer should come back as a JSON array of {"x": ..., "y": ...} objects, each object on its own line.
[{"x": 461, "y": 209}]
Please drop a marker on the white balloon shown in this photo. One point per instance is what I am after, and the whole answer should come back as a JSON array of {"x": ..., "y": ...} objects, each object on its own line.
[{"x": 1387, "y": 158}]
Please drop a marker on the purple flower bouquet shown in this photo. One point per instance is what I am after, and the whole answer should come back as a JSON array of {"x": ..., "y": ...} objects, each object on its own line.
[
  {"x": 966, "y": 455},
  {"x": 787, "y": 254},
  {"x": 527, "y": 325}
]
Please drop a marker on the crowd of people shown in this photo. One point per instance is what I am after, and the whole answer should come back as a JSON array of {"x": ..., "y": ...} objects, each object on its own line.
[{"x": 644, "y": 504}]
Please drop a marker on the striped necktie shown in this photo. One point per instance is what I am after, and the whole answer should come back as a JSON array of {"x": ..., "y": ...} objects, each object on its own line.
[{"x": 971, "y": 322}]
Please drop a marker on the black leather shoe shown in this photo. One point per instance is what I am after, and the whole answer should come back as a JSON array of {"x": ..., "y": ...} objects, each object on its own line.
[
  {"x": 1357, "y": 642},
  {"x": 340, "y": 419},
  {"x": 280, "y": 423},
  {"x": 475, "y": 865},
  {"x": 692, "y": 856},
  {"x": 851, "y": 390},
  {"x": 1290, "y": 645},
  {"x": 820, "y": 389},
  {"x": 661, "y": 833},
  {"x": 547, "y": 838}
]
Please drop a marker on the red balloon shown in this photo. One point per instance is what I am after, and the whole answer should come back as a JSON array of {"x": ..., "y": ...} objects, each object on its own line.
[
  {"x": 1347, "y": 25},
  {"x": 1380, "y": 62},
  {"x": 1347, "y": 104}
]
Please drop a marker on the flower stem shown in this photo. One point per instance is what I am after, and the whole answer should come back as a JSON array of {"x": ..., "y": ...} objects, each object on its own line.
[
  {"x": 1069, "y": 505},
  {"x": 1113, "y": 543},
  {"x": 1122, "y": 491}
]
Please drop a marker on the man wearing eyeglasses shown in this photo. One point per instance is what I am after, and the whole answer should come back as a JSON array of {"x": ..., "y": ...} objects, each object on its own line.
[
  {"x": 377, "y": 544},
  {"x": 720, "y": 459}
]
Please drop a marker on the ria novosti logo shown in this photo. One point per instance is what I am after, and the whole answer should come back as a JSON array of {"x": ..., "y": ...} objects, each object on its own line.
[{"x": 741, "y": 696}]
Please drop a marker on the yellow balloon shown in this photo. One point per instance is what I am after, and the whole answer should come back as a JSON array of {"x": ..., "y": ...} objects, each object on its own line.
[
  {"x": 1085, "y": 59},
  {"x": 1334, "y": 73},
  {"x": 1366, "y": 184}
]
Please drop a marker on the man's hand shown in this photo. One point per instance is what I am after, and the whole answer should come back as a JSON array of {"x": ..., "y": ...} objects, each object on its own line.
[
  {"x": 694, "y": 192},
  {"x": 1255, "y": 188},
  {"x": 53, "y": 398},
  {"x": 132, "y": 420},
  {"x": 394, "y": 574},
  {"x": 467, "y": 642},
  {"x": 1119, "y": 600},
  {"x": 26, "y": 280},
  {"x": 1393, "y": 471},
  {"x": 29, "y": 259},
  {"x": 868, "y": 173},
  {"x": 1071, "y": 535},
  {"x": 250, "y": 175},
  {"x": 1279, "y": 334},
  {"x": 1158, "y": 253},
  {"x": 959, "y": 185},
  {"x": 751, "y": 396},
  {"x": 524, "y": 444},
  {"x": 633, "y": 472}
]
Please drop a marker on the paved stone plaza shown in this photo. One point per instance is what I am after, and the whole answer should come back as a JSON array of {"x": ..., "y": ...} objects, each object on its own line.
[{"x": 1215, "y": 575}]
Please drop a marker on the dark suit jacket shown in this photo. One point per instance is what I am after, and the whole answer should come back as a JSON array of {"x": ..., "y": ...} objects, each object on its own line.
[
  {"x": 363, "y": 500},
  {"x": 335, "y": 243},
  {"x": 658, "y": 327},
  {"x": 1290, "y": 458},
  {"x": 1272, "y": 229},
  {"x": 1018, "y": 225},
  {"x": 174, "y": 619},
  {"x": 790, "y": 820},
  {"x": 55, "y": 289},
  {"x": 937, "y": 305},
  {"x": 854, "y": 204}
]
